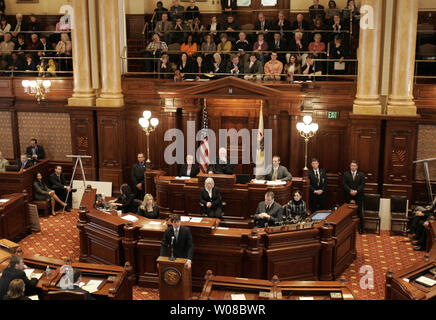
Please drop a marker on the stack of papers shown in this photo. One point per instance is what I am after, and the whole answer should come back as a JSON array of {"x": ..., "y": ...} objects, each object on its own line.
[
  {"x": 4, "y": 200},
  {"x": 197, "y": 220},
  {"x": 184, "y": 219},
  {"x": 35, "y": 297},
  {"x": 275, "y": 183},
  {"x": 130, "y": 218},
  {"x": 37, "y": 275},
  {"x": 155, "y": 222},
  {"x": 238, "y": 297},
  {"x": 92, "y": 286},
  {"x": 183, "y": 178},
  {"x": 426, "y": 281},
  {"x": 28, "y": 272},
  {"x": 258, "y": 181}
]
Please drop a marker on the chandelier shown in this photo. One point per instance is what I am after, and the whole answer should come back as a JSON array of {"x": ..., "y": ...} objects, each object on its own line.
[
  {"x": 307, "y": 130},
  {"x": 36, "y": 88},
  {"x": 148, "y": 126}
]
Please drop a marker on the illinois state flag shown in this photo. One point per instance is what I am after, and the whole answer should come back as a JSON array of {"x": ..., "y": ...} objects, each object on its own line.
[{"x": 260, "y": 152}]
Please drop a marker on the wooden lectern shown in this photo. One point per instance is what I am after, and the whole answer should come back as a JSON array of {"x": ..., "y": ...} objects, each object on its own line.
[{"x": 175, "y": 281}]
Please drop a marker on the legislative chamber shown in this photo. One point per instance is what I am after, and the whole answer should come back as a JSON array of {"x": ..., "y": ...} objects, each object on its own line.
[{"x": 202, "y": 151}]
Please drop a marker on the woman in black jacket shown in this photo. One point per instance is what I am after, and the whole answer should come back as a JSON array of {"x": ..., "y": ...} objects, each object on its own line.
[
  {"x": 126, "y": 199},
  {"x": 43, "y": 193},
  {"x": 148, "y": 208},
  {"x": 210, "y": 199},
  {"x": 184, "y": 66}
]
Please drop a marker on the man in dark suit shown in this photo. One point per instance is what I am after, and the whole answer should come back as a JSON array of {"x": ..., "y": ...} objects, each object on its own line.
[
  {"x": 268, "y": 212},
  {"x": 138, "y": 171},
  {"x": 15, "y": 270},
  {"x": 181, "y": 238},
  {"x": 419, "y": 225},
  {"x": 228, "y": 7},
  {"x": 316, "y": 9},
  {"x": 300, "y": 23},
  {"x": 35, "y": 151},
  {"x": 277, "y": 172},
  {"x": 318, "y": 184},
  {"x": 58, "y": 183},
  {"x": 24, "y": 163},
  {"x": 283, "y": 25},
  {"x": 19, "y": 26},
  {"x": 279, "y": 44},
  {"x": 235, "y": 67},
  {"x": 354, "y": 184},
  {"x": 222, "y": 165},
  {"x": 190, "y": 169},
  {"x": 262, "y": 25},
  {"x": 77, "y": 280}
]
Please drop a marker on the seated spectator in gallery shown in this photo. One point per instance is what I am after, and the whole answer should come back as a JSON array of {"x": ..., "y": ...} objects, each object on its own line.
[
  {"x": 282, "y": 25},
  {"x": 126, "y": 200},
  {"x": 6, "y": 46},
  {"x": 273, "y": 68},
  {"x": 235, "y": 67},
  {"x": 5, "y": 27},
  {"x": 63, "y": 50},
  {"x": 21, "y": 46},
  {"x": 269, "y": 212},
  {"x": 15, "y": 63},
  {"x": 331, "y": 11},
  {"x": 178, "y": 32},
  {"x": 199, "y": 68},
  {"x": 311, "y": 68},
  {"x": 228, "y": 8},
  {"x": 338, "y": 27},
  {"x": 224, "y": 47},
  {"x": 316, "y": 10},
  {"x": 177, "y": 11},
  {"x": 35, "y": 151},
  {"x": 210, "y": 199},
  {"x": 44, "y": 47},
  {"x": 43, "y": 193},
  {"x": 184, "y": 66},
  {"x": 158, "y": 12},
  {"x": 19, "y": 26},
  {"x": 242, "y": 45},
  {"x": 189, "y": 46},
  {"x": 189, "y": 169},
  {"x": 295, "y": 209},
  {"x": 192, "y": 11},
  {"x": 338, "y": 51},
  {"x": 318, "y": 25},
  {"x": 214, "y": 27},
  {"x": 317, "y": 46},
  {"x": 351, "y": 11},
  {"x": 260, "y": 47},
  {"x": 292, "y": 68},
  {"x": 34, "y": 45},
  {"x": 149, "y": 208},
  {"x": 34, "y": 24},
  {"x": 298, "y": 45},
  {"x": 154, "y": 50},
  {"x": 164, "y": 27},
  {"x": 253, "y": 69},
  {"x": 29, "y": 63},
  {"x": 279, "y": 44},
  {"x": 16, "y": 291},
  {"x": 208, "y": 48},
  {"x": 3, "y": 162},
  {"x": 262, "y": 24},
  {"x": 231, "y": 26},
  {"x": 196, "y": 29},
  {"x": 24, "y": 163},
  {"x": 300, "y": 24},
  {"x": 219, "y": 66},
  {"x": 165, "y": 67}
]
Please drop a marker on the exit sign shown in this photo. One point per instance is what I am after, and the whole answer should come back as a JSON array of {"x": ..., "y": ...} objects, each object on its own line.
[{"x": 332, "y": 114}]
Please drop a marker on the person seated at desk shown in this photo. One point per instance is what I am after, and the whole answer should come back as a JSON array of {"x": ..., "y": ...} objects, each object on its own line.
[
  {"x": 58, "y": 183},
  {"x": 181, "y": 237},
  {"x": 295, "y": 209},
  {"x": 148, "y": 208},
  {"x": 268, "y": 212},
  {"x": 278, "y": 172},
  {"x": 24, "y": 163},
  {"x": 190, "y": 169},
  {"x": 222, "y": 165},
  {"x": 3, "y": 162},
  {"x": 16, "y": 291},
  {"x": 125, "y": 200},
  {"x": 15, "y": 270},
  {"x": 210, "y": 199},
  {"x": 77, "y": 278},
  {"x": 42, "y": 192},
  {"x": 35, "y": 151},
  {"x": 419, "y": 224}
]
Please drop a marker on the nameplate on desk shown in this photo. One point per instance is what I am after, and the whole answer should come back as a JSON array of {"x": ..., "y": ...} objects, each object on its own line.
[
  {"x": 183, "y": 178},
  {"x": 185, "y": 218},
  {"x": 258, "y": 181},
  {"x": 238, "y": 297},
  {"x": 275, "y": 183},
  {"x": 305, "y": 298}
]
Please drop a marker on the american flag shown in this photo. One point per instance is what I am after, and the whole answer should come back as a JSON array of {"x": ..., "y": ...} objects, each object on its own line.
[{"x": 204, "y": 144}]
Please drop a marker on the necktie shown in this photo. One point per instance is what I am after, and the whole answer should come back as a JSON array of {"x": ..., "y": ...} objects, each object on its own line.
[
  {"x": 267, "y": 209},
  {"x": 176, "y": 233},
  {"x": 163, "y": 25},
  {"x": 277, "y": 44},
  {"x": 317, "y": 176},
  {"x": 274, "y": 176},
  {"x": 22, "y": 166},
  {"x": 354, "y": 175}
]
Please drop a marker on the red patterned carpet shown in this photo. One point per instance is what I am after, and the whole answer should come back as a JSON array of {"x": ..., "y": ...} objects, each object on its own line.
[{"x": 59, "y": 239}]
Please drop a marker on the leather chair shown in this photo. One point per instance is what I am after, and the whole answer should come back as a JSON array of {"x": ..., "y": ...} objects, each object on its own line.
[
  {"x": 44, "y": 206},
  {"x": 66, "y": 295},
  {"x": 371, "y": 208},
  {"x": 399, "y": 213},
  {"x": 203, "y": 209}
]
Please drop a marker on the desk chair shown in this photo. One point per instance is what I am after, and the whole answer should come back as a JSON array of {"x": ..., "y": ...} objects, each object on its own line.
[
  {"x": 44, "y": 206},
  {"x": 399, "y": 213},
  {"x": 66, "y": 295},
  {"x": 371, "y": 208},
  {"x": 203, "y": 209}
]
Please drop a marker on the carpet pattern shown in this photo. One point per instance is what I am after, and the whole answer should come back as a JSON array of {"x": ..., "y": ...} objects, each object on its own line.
[{"x": 59, "y": 238}]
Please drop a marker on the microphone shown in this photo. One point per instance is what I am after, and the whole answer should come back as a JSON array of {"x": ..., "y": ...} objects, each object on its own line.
[{"x": 172, "y": 258}]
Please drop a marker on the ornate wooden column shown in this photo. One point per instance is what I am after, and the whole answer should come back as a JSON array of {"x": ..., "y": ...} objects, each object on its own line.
[
  {"x": 368, "y": 78},
  {"x": 84, "y": 94},
  {"x": 111, "y": 91},
  {"x": 400, "y": 99}
]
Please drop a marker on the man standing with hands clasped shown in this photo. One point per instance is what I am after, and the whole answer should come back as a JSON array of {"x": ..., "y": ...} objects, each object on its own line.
[
  {"x": 318, "y": 184},
  {"x": 354, "y": 184}
]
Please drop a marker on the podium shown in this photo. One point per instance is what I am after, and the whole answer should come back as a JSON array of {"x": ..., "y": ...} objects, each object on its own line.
[{"x": 175, "y": 281}]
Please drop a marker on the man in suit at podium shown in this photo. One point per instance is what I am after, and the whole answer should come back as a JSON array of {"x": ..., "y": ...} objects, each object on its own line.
[
  {"x": 35, "y": 151},
  {"x": 138, "y": 171},
  {"x": 277, "y": 172},
  {"x": 181, "y": 238},
  {"x": 268, "y": 212},
  {"x": 222, "y": 165},
  {"x": 318, "y": 184},
  {"x": 354, "y": 184}
]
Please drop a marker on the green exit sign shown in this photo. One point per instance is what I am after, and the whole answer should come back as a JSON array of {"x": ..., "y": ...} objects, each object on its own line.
[{"x": 332, "y": 114}]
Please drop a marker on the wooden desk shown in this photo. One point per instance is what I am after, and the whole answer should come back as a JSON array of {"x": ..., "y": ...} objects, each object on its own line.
[
  {"x": 222, "y": 288},
  {"x": 183, "y": 196},
  {"x": 119, "y": 289},
  {"x": 16, "y": 182},
  {"x": 14, "y": 218}
]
